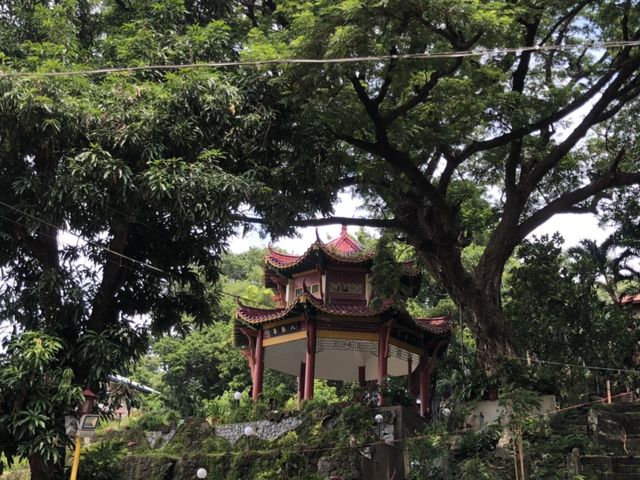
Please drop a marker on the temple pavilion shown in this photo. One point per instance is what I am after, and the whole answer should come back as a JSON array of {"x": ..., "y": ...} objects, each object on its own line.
[{"x": 325, "y": 325}]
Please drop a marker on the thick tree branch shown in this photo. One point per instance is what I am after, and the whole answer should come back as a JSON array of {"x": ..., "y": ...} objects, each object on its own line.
[
  {"x": 104, "y": 304},
  {"x": 542, "y": 124},
  {"x": 44, "y": 246},
  {"x": 566, "y": 202},
  {"x": 518, "y": 82},
  {"x": 369, "y": 105},
  {"x": 520, "y": 74},
  {"x": 449, "y": 33},
  {"x": 625, "y": 95},
  {"x": 566, "y": 19},
  {"x": 610, "y": 94},
  {"x": 452, "y": 163},
  {"x": 358, "y": 143},
  {"x": 422, "y": 94},
  {"x": 386, "y": 81},
  {"x": 621, "y": 61},
  {"x": 432, "y": 163},
  {"x": 401, "y": 162},
  {"x": 625, "y": 20},
  {"x": 316, "y": 222}
]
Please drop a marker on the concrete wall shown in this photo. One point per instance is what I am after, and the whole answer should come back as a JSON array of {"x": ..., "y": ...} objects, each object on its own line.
[{"x": 487, "y": 412}]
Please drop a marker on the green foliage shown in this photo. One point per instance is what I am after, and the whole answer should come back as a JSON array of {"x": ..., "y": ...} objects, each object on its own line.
[
  {"x": 325, "y": 430},
  {"x": 355, "y": 425},
  {"x": 474, "y": 444},
  {"x": 225, "y": 409},
  {"x": 395, "y": 392},
  {"x": 386, "y": 273},
  {"x": 151, "y": 169},
  {"x": 475, "y": 469},
  {"x": 147, "y": 169},
  {"x": 101, "y": 462},
  {"x": 198, "y": 370},
  {"x": 557, "y": 314},
  {"x": 429, "y": 454},
  {"x": 155, "y": 415},
  {"x": 202, "y": 365},
  {"x": 35, "y": 391},
  {"x": 458, "y": 150}
]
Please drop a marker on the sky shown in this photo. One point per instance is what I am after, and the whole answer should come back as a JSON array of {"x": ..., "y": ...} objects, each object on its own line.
[{"x": 573, "y": 228}]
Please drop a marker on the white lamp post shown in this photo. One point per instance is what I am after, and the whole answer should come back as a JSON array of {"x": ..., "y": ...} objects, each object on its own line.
[
  {"x": 201, "y": 473},
  {"x": 248, "y": 432},
  {"x": 379, "y": 419},
  {"x": 446, "y": 412},
  {"x": 237, "y": 396}
]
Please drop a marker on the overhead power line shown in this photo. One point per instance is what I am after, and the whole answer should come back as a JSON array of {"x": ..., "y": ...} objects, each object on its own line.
[
  {"x": 238, "y": 297},
  {"x": 327, "y": 61},
  {"x": 97, "y": 245},
  {"x": 563, "y": 364},
  {"x": 138, "y": 263}
]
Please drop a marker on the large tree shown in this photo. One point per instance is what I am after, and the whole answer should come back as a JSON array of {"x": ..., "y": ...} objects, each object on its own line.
[
  {"x": 151, "y": 170},
  {"x": 536, "y": 132},
  {"x": 116, "y": 192}
]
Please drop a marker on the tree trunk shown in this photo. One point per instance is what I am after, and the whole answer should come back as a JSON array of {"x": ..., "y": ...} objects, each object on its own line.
[
  {"x": 490, "y": 331},
  {"x": 41, "y": 470},
  {"x": 479, "y": 293}
]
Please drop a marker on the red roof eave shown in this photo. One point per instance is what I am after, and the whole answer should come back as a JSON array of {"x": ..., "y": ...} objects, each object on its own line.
[
  {"x": 630, "y": 299},
  {"x": 256, "y": 316},
  {"x": 435, "y": 325}
]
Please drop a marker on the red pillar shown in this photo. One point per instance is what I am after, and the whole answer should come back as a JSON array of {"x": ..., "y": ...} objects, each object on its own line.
[
  {"x": 258, "y": 369},
  {"x": 301, "y": 384},
  {"x": 362, "y": 376},
  {"x": 383, "y": 350},
  {"x": 425, "y": 387},
  {"x": 250, "y": 352},
  {"x": 310, "y": 370}
]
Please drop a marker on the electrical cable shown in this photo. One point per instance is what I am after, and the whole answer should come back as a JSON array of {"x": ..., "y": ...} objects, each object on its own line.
[
  {"x": 561, "y": 364},
  {"x": 238, "y": 297},
  {"x": 339, "y": 60},
  {"x": 94, "y": 244},
  {"x": 104, "y": 248}
]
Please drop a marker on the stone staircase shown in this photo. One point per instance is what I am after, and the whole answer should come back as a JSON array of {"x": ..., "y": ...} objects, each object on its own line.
[
  {"x": 609, "y": 468},
  {"x": 616, "y": 429},
  {"x": 571, "y": 422}
]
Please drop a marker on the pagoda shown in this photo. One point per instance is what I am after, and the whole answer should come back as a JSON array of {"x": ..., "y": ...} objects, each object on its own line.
[{"x": 325, "y": 325}]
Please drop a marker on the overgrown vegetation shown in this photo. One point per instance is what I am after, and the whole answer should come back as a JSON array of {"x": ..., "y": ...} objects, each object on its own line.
[{"x": 153, "y": 171}]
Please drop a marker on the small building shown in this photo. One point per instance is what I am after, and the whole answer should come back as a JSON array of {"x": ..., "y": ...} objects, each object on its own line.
[{"x": 326, "y": 325}]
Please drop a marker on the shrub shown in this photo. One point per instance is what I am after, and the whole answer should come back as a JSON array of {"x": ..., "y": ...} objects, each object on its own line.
[{"x": 101, "y": 462}]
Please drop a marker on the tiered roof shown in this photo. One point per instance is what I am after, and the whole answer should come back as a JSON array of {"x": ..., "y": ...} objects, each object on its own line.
[
  {"x": 345, "y": 243},
  {"x": 344, "y": 249},
  {"x": 257, "y": 316}
]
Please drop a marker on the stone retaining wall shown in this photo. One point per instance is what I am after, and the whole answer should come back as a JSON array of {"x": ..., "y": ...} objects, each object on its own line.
[{"x": 263, "y": 429}]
